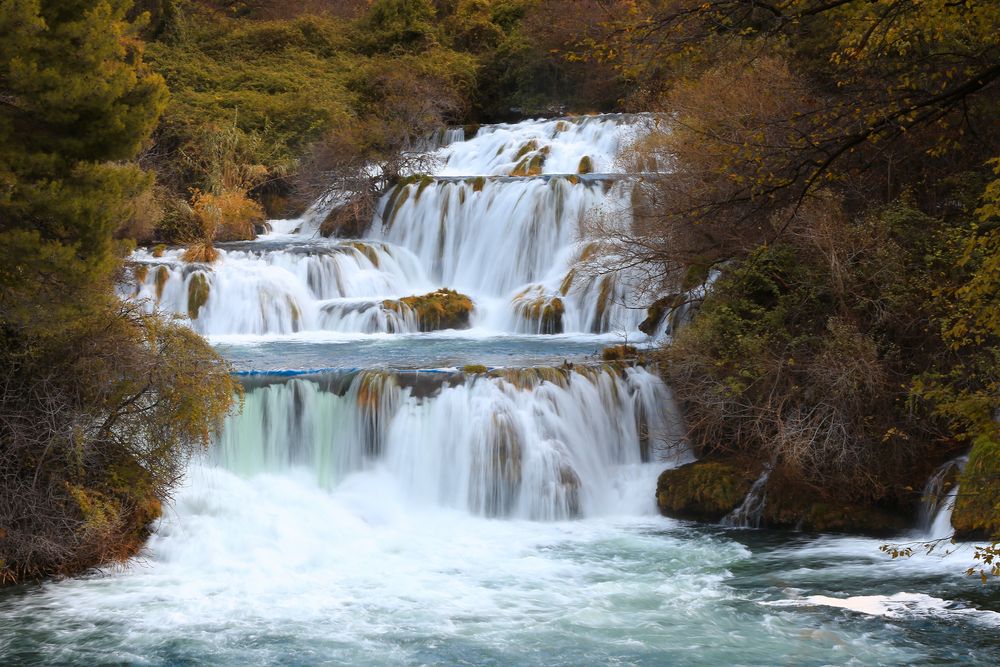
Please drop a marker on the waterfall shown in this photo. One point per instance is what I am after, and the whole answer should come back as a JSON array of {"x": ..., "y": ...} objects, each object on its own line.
[
  {"x": 537, "y": 443},
  {"x": 502, "y": 217},
  {"x": 938, "y": 500},
  {"x": 502, "y": 221},
  {"x": 751, "y": 510}
]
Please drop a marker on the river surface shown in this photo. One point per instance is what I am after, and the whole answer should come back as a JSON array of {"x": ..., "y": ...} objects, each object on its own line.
[
  {"x": 275, "y": 569},
  {"x": 375, "y": 503}
]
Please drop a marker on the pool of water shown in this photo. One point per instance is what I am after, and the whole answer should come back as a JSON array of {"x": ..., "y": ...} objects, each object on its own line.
[
  {"x": 273, "y": 569},
  {"x": 450, "y": 349}
]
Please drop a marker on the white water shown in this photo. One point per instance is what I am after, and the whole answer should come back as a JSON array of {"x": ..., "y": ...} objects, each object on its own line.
[
  {"x": 537, "y": 444},
  {"x": 472, "y": 228},
  {"x": 751, "y": 510},
  {"x": 939, "y": 497},
  {"x": 440, "y": 518}
]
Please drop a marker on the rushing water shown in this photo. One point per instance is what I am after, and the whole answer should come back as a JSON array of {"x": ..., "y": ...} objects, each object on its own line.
[{"x": 376, "y": 504}]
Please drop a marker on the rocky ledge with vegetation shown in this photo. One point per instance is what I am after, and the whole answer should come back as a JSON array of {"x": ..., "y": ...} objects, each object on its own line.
[{"x": 836, "y": 250}]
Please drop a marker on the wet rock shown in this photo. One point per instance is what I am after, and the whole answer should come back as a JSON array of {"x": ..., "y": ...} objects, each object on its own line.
[
  {"x": 443, "y": 309},
  {"x": 702, "y": 491}
]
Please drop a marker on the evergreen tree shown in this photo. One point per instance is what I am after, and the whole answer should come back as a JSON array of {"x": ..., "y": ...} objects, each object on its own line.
[
  {"x": 75, "y": 101},
  {"x": 99, "y": 402}
]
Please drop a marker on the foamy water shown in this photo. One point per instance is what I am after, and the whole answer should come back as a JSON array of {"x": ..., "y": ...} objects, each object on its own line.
[{"x": 375, "y": 505}]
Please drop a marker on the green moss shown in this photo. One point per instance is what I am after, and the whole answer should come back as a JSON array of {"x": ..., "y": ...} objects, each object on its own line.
[
  {"x": 162, "y": 275},
  {"x": 474, "y": 368},
  {"x": 567, "y": 282},
  {"x": 477, "y": 183},
  {"x": 977, "y": 507},
  {"x": 197, "y": 294},
  {"x": 367, "y": 250},
  {"x": 544, "y": 312},
  {"x": 530, "y": 166},
  {"x": 443, "y": 309},
  {"x": 658, "y": 310},
  {"x": 396, "y": 200},
  {"x": 704, "y": 490},
  {"x": 600, "y": 323},
  {"x": 158, "y": 250},
  {"x": 424, "y": 182},
  {"x": 528, "y": 147},
  {"x": 586, "y": 165},
  {"x": 791, "y": 503}
]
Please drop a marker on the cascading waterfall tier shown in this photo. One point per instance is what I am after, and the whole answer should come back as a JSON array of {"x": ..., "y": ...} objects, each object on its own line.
[
  {"x": 939, "y": 497},
  {"x": 502, "y": 217},
  {"x": 538, "y": 443}
]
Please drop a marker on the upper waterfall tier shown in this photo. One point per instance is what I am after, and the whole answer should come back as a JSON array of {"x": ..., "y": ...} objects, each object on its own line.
[
  {"x": 582, "y": 144},
  {"x": 512, "y": 244}
]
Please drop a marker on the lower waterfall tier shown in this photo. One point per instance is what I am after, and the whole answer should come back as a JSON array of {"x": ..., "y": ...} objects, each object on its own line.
[{"x": 537, "y": 443}]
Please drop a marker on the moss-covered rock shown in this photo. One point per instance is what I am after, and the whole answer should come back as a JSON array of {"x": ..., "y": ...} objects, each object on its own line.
[
  {"x": 977, "y": 507},
  {"x": 368, "y": 250},
  {"x": 197, "y": 294},
  {"x": 475, "y": 369},
  {"x": 658, "y": 310},
  {"x": 703, "y": 490},
  {"x": 542, "y": 313},
  {"x": 528, "y": 147},
  {"x": 619, "y": 353},
  {"x": 400, "y": 193},
  {"x": 530, "y": 166},
  {"x": 160, "y": 279},
  {"x": 443, "y": 309},
  {"x": 710, "y": 490},
  {"x": 789, "y": 503},
  {"x": 586, "y": 165},
  {"x": 569, "y": 485},
  {"x": 139, "y": 273}
]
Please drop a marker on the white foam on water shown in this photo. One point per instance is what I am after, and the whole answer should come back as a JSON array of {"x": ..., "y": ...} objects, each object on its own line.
[{"x": 896, "y": 606}]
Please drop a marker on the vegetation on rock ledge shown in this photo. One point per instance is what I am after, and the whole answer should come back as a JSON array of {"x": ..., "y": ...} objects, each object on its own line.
[
  {"x": 100, "y": 403},
  {"x": 443, "y": 309}
]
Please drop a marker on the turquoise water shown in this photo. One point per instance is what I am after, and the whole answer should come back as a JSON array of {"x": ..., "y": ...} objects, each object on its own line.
[
  {"x": 445, "y": 589},
  {"x": 443, "y": 350}
]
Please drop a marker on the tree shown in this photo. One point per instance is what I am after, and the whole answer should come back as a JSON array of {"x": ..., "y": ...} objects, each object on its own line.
[
  {"x": 819, "y": 160},
  {"x": 400, "y": 25},
  {"x": 99, "y": 403},
  {"x": 75, "y": 100}
]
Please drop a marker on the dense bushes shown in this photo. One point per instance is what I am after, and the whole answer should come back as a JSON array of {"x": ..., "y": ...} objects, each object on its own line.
[
  {"x": 828, "y": 187},
  {"x": 310, "y": 95}
]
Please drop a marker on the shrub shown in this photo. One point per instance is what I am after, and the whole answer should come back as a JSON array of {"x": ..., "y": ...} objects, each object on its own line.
[{"x": 443, "y": 309}]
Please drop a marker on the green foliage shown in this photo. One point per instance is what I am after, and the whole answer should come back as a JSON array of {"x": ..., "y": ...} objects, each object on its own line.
[
  {"x": 273, "y": 86},
  {"x": 100, "y": 402},
  {"x": 399, "y": 25},
  {"x": 977, "y": 507},
  {"x": 61, "y": 128},
  {"x": 792, "y": 355}
]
